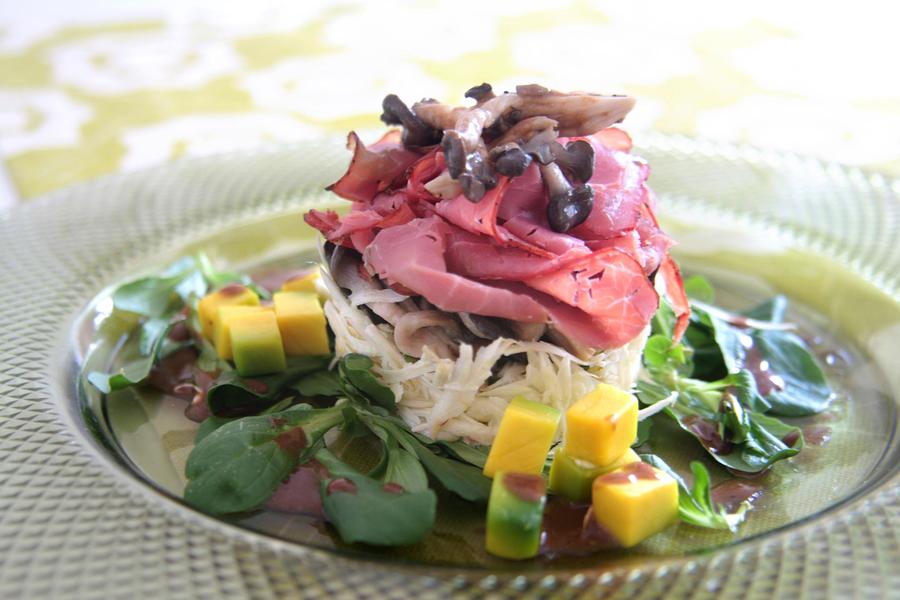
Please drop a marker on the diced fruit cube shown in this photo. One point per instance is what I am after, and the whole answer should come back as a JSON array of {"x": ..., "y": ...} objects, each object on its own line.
[
  {"x": 514, "y": 515},
  {"x": 302, "y": 283},
  {"x": 635, "y": 502},
  {"x": 523, "y": 439},
  {"x": 221, "y": 337},
  {"x": 256, "y": 343},
  {"x": 602, "y": 425},
  {"x": 572, "y": 477},
  {"x": 302, "y": 323},
  {"x": 230, "y": 295}
]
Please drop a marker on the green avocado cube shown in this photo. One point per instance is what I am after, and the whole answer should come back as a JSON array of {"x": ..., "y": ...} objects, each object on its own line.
[
  {"x": 515, "y": 514},
  {"x": 573, "y": 478},
  {"x": 256, "y": 344}
]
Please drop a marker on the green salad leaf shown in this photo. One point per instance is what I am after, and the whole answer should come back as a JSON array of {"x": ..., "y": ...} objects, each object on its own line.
[
  {"x": 239, "y": 465},
  {"x": 364, "y": 509},
  {"x": 151, "y": 297},
  {"x": 643, "y": 433},
  {"x": 356, "y": 375},
  {"x": 320, "y": 383},
  {"x": 699, "y": 289},
  {"x": 695, "y": 505},
  {"x": 796, "y": 385},
  {"x": 805, "y": 390},
  {"x": 719, "y": 399},
  {"x": 134, "y": 372},
  {"x": 719, "y": 415},
  {"x": 463, "y": 479},
  {"x": 398, "y": 466},
  {"x": 233, "y": 395},
  {"x": 208, "y": 426},
  {"x": 216, "y": 278},
  {"x": 353, "y": 379},
  {"x": 474, "y": 455}
]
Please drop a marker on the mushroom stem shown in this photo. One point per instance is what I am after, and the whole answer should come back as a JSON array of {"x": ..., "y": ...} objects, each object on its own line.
[
  {"x": 524, "y": 130},
  {"x": 438, "y": 115},
  {"x": 554, "y": 179},
  {"x": 472, "y": 122},
  {"x": 540, "y": 146}
]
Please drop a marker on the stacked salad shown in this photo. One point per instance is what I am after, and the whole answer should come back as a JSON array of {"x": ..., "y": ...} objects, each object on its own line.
[
  {"x": 498, "y": 317},
  {"x": 521, "y": 255}
]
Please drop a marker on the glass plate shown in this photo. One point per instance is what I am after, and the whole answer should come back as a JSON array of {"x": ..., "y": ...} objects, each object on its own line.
[{"x": 76, "y": 519}]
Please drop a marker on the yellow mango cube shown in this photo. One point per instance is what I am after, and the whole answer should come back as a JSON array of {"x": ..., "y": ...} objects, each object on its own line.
[
  {"x": 231, "y": 295},
  {"x": 302, "y": 323},
  {"x": 256, "y": 343},
  {"x": 602, "y": 425},
  {"x": 221, "y": 337},
  {"x": 302, "y": 283},
  {"x": 523, "y": 439},
  {"x": 572, "y": 477},
  {"x": 634, "y": 502}
]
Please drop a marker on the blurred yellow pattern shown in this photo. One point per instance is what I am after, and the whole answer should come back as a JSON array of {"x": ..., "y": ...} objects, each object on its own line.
[{"x": 88, "y": 89}]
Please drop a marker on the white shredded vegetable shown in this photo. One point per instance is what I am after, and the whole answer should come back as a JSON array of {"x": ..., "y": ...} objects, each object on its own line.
[
  {"x": 450, "y": 399},
  {"x": 657, "y": 407}
]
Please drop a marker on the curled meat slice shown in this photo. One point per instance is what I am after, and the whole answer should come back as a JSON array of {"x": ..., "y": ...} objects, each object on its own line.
[
  {"x": 675, "y": 294},
  {"x": 609, "y": 286},
  {"x": 534, "y": 230},
  {"x": 412, "y": 255},
  {"x": 373, "y": 169},
  {"x": 619, "y": 188},
  {"x": 478, "y": 258},
  {"x": 614, "y": 139},
  {"x": 423, "y": 171}
]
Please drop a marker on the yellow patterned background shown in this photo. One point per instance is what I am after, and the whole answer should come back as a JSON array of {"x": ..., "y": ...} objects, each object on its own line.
[{"x": 92, "y": 88}]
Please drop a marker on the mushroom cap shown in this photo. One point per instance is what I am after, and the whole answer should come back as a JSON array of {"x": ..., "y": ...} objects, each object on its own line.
[
  {"x": 510, "y": 160},
  {"x": 570, "y": 209},
  {"x": 577, "y": 159}
]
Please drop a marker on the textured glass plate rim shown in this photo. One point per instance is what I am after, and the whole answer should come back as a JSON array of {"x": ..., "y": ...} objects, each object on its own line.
[{"x": 882, "y": 493}]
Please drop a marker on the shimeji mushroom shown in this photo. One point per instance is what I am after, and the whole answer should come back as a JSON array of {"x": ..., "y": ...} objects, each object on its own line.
[
  {"x": 510, "y": 159},
  {"x": 569, "y": 206},
  {"x": 481, "y": 93},
  {"x": 415, "y": 132},
  {"x": 531, "y": 118},
  {"x": 576, "y": 158}
]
